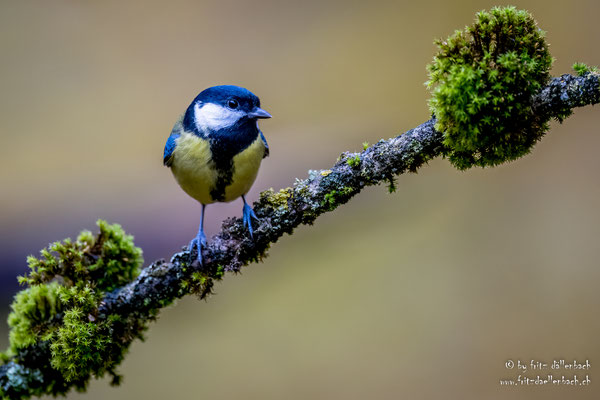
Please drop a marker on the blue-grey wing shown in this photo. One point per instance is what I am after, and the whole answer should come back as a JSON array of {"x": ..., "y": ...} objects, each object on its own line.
[
  {"x": 171, "y": 142},
  {"x": 266, "y": 144},
  {"x": 169, "y": 148}
]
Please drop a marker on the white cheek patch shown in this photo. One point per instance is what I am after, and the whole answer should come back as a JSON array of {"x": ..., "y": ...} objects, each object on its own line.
[{"x": 212, "y": 117}]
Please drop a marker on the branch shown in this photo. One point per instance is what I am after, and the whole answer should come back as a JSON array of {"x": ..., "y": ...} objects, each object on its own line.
[{"x": 279, "y": 212}]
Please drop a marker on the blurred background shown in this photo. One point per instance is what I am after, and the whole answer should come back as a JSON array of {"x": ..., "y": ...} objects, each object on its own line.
[{"x": 421, "y": 294}]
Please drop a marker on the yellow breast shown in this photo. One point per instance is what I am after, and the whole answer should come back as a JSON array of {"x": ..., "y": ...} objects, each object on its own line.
[
  {"x": 193, "y": 167},
  {"x": 245, "y": 169},
  {"x": 197, "y": 174}
]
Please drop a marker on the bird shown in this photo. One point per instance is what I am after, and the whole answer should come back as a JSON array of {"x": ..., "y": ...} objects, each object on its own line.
[{"x": 215, "y": 150}]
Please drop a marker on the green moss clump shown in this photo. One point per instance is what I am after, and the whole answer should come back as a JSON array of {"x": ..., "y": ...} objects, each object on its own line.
[
  {"x": 391, "y": 184},
  {"x": 81, "y": 347},
  {"x": 582, "y": 69},
  {"x": 32, "y": 312},
  {"x": 336, "y": 197},
  {"x": 354, "y": 161},
  {"x": 200, "y": 283},
  {"x": 59, "y": 309},
  {"x": 482, "y": 82},
  {"x": 110, "y": 259}
]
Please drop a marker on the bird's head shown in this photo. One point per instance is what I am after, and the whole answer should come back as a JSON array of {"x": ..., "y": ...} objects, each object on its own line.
[{"x": 224, "y": 107}]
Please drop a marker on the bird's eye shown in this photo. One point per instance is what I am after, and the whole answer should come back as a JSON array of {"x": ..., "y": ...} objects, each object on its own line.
[{"x": 232, "y": 104}]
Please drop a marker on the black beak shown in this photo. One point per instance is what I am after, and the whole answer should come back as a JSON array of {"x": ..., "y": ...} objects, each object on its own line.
[{"x": 259, "y": 113}]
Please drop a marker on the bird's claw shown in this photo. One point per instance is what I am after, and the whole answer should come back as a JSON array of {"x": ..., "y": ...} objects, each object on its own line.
[
  {"x": 197, "y": 243},
  {"x": 248, "y": 214}
]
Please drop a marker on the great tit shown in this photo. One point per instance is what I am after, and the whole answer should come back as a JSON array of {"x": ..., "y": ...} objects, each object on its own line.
[{"x": 215, "y": 150}]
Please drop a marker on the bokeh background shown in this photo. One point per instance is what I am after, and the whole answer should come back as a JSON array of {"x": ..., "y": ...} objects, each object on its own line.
[{"x": 421, "y": 294}]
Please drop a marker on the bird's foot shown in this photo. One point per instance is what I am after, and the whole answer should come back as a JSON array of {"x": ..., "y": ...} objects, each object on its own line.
[
  {"x": 197, "y": 243},
  {"x": 248, "y": 214}
]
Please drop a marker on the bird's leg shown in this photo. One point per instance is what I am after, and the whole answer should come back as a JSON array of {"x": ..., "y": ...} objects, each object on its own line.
[
  {"x": 199, "y": 241},
  {"x": 247, "y": 214}
]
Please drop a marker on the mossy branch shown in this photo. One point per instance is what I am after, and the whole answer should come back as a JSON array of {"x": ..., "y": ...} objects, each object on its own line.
[
  {"x": 79, "y": 315},
  {"x": 161, "y": 282}
]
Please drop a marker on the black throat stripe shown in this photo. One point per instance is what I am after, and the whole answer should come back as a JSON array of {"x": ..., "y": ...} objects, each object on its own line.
[{"x": 224, "y": 145}]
